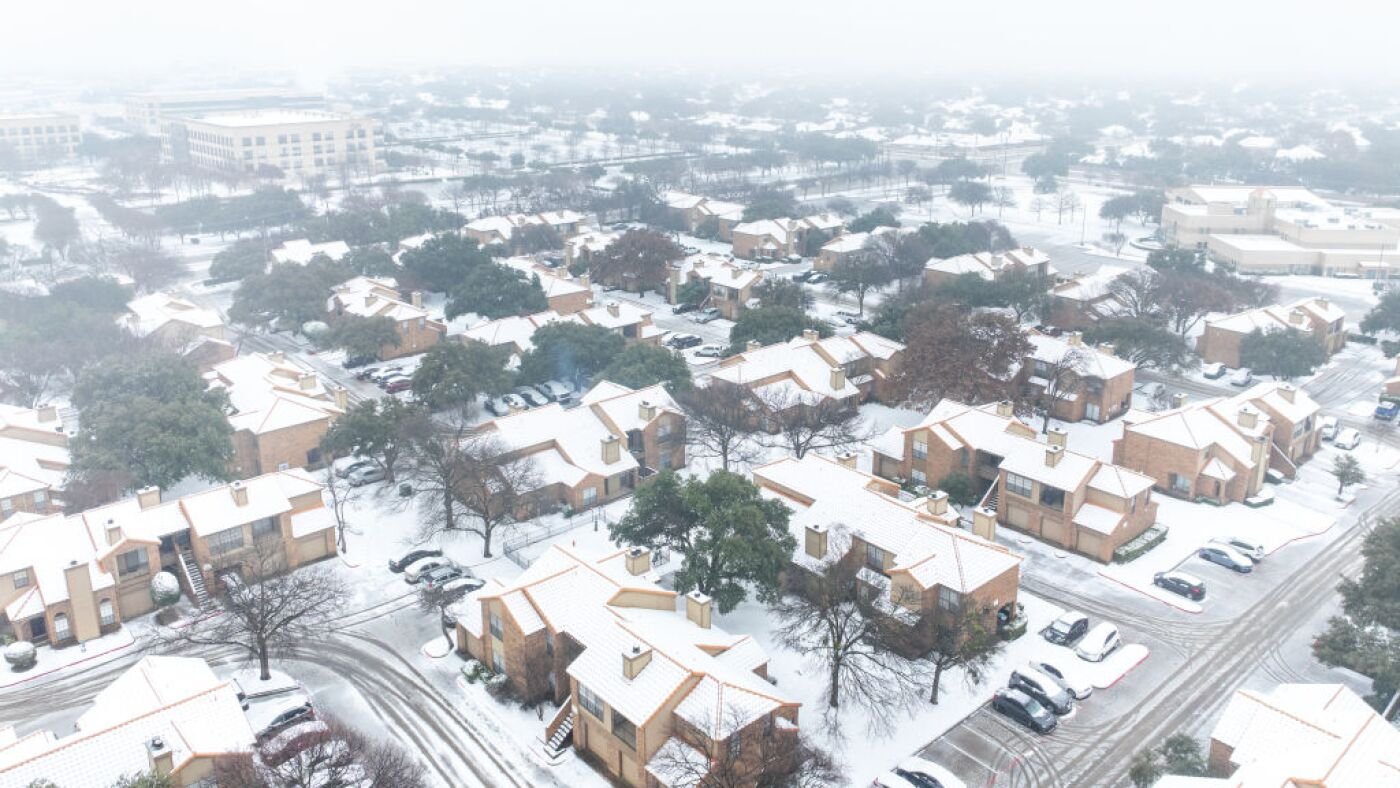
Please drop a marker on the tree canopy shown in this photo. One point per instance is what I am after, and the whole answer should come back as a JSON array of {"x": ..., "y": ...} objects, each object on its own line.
[
  {"x": 495, "y": 291},
  {"x": 639, "y": 260},
  {"x": 453, "y": 374},
  {"x": 442, "y": 261},
  {"x": 1364, "y": 638},
  {"x": 770, "y": 324},
  {"x": 1283, "y": 354},
  {"x": 639, "y": 366},
  {"x": 288, "y": 295},
  {"x": 968, "y": 357},
  {"x": 569, "y": 352}
]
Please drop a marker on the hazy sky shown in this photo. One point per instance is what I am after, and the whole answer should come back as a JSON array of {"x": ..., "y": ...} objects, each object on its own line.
[{"x": 1189, "y": 39}]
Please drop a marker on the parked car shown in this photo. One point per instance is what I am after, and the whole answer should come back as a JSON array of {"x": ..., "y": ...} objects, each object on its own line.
[
  {"x": 892, "y": 779},
  {"x": 345, "y": 470},
  {"x": 1100, "y": 641},
  {"x": 561, "y": 393},
  {"x": 683, "y": 341},
  {"x": 802, "y": 276},
  {"x": 1249, "y": 549},
  {"x": 1327, "y": 427},
  {"x": 680, "y": 309},
  {"x": 389, "y": 380},
  {"x": 413, "y": 555},
  {"x": 817, "y": 278},
  {"x": 514, "y": 402},
  {"x": 705, "y": 315},
  {"x": 1067, "y": 629},
  {"x": 497, "y": 406},
  {"x": 352, "y": 362},
  {"x": 416, "y": 570},
  {"x": 269, "y": 716},
  {"x": 1066, "y": 677},
  {"x": 1024, "y": 709},
  {"x": 1213, "y": 371},
  {"x": 534, "y": 398},
  {"x": 1387, "y": 410},
  {"x": 1347, "y": 439},
  {"x": 1242, "y": 377},
  {"x": 927, "y": 774},
  {"x": 710, "y": 351},
  {"x": 383, "y": 372},
  {"x": 1042, "y": 688},
  {"x": 442, "y": 576},
  {"x": 395, "y": 385},
  {"x": 367, "y": 475},
  {"x": 1181, "y": 583},
  {"x": 1227, "y": 557}
]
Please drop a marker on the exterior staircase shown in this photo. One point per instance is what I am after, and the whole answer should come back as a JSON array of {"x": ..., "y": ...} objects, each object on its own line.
[
  {"x": 989, "y": 500},
  {"x": 559, "y": 733},
  {"x": 194, "y": 578}
]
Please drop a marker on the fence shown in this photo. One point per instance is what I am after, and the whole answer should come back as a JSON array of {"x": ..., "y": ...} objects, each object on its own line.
[{"x": 514, "y": 546}]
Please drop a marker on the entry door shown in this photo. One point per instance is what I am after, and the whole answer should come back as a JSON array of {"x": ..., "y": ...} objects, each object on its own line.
[
  {"x": 1091, "y": 411},
  {"x": 38, "y": 629}
]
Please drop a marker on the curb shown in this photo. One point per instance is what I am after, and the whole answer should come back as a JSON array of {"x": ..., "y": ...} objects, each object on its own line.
[
  {"x": 88, "y": 658},
  {"x": 1130, "y": 669},
  {"x": 1153, "y": 597}
]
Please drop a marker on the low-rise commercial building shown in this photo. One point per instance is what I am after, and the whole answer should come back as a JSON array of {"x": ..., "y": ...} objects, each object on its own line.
[
  {"x": 365, "y": 296},
  {"x": 1317, "y": 317},
  {"x": 36, "y": 139},
  {"x": 279, "y": 412},
  {"x": 148, "y": 110},
  {"x": 300, "y": 143}
]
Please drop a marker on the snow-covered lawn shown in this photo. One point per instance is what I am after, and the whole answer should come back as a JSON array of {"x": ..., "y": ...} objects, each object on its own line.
[{"x": 55, "y": 660}]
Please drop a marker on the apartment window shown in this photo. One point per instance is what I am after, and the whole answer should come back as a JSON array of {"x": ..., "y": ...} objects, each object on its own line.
[
  {"x": 262, "y": 140},
  {"x": 1018, "y": 484},
  {"x": 296, "y": 139},
  {"x": 592, "y": 703},
  {"x": 1132, "y": 504},
  {"x": 736, "y": 744},
  {"x": 266, "y": 527},
  {"x": 962, "y": 458},
  {"x": 281, "y": 139},
  {"x": 1179, "y": 483},
  {"x": 133, "y": 562},
  {"x": 498, "y": 662},
  {"x": 40, "y": 497},
  {"x": 1053, "y": 497},
  {"x": 22, "y": 578},
  {"x": 920, "y": 450},
  {"x": 590, "y": 496},
  {"x": 949, "y": 600},
  {"x": 624, "y": 730},
  {"x": 106, "y": 613},
  {"x": 496, "y": 626},
  {"x": 918, "y": 476},
  {"x": 60, "y": 627},
  {"x": 875, "y": 558},
  {"x": 247, "y": 142},
  {"x": 226, "y": 541},
  {"x": 316, "y": 136}
]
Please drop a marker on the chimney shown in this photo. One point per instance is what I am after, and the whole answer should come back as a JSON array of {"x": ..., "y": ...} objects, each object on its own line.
[
  {"x": 753, "y": 344},
  {"x": 416, "y": 298},
  {"x": 586, "y": 281},
  {"x": 342, "y": 398},
  {"x": 613, "y": 309},
  {"x": 146, "y": 497},
  {"x": 1108, "y": 348},
  {"x": 1297, "y": 317},
  {"x": 1004, "y": 409},
  {"x": 697, "y": 609},
  {"x": 1287, "y": 392},
  {"x": 240, "y": 493},
  {"x": 734, "y": 273},
  {"x": 810, "y": 334},
  {"x": 47, "y": 413},
  {"x": 114, "y": 532},
  {"x": 646, "y": 411},
  {"x": 1053, "y": 455},
  {"x": 612, "y": 449},
  {"x": 1178, "y": 400},
  {"x": 369, "y": 299},
  {"x": 1322, "y": 303},
  {"x": 846, "y": 459},
  {"x": 277, "y": 357},
  {"x": 1056, "y": 436},
  {"x": 937, "y": 503},
  {"x": 634, "y": 659},
  {"x": 1248, "y": 417},
  {"x": 306, "y": 381},
  {"x": 984, "y": 523},
  {"x": 638, "y": 561},
  {"x": 1074, "y": 338},
  {"x": 160, "y": 756},
  {"x": 838, "y": 378},
  {"x": 815, "y": 542}
]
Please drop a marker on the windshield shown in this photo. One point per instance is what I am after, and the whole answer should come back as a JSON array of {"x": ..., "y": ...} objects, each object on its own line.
[
  {"x": 1060, "y": 625},
  {"x": 1033, "y": 706}
]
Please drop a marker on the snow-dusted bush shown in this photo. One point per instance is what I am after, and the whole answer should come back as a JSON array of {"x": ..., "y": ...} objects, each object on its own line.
[
  {"x": 165, "y": 589},
  {"x": 21, "y": 655}
]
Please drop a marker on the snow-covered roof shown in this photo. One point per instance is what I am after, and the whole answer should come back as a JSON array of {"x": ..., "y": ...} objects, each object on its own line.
[
  {"x": 1278, "y": 317},
  {"x": 849, "y": 242},
  {"x": 779, "y": 230},
  {"x": 987, "y": 264},
  {"x": 719, "y": 270},
  {"x": 269, "y": 495},
  {"x": 1092, "y": 362},
  {"x": 1092, "y": 286},
  {"x": 33, "y": 450},
  {"x": 801, "y": 368},
  {"x": 373, "y": 297},
  {"x": 268, "y": 393},
  {"x": 515, "y": 331},
  {"x": 151, "y": 683},
  {"x": 300, "y": 251},
  {"x": 150, "y": 313}
]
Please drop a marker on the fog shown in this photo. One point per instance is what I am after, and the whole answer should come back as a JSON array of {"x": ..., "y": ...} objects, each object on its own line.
[{"x": 1286, "y": 40}]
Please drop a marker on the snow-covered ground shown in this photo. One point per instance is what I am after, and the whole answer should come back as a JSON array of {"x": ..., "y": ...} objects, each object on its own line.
[{"x": 53, "y": 662}]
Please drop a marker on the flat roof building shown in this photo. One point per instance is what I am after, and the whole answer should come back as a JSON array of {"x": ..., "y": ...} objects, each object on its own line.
[
  {"x": 300, "y": 143},
  {"x": 39, "y": 138},
  {"x": 146, "y": 111}
]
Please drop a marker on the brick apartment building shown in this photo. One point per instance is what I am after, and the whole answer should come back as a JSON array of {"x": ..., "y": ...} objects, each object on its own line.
[
  {"x": 1316, "y": 317},
  {"x": 1080, "y": 303},
  {"x": 808, "y": 369},
  {"x": 989, "y": 266},
  {"x": 178, "y": 325},
  {"x": 692, "y": 210},
  {"x": 34, "y": 459},
  {"x": 731, "y": 286},
  {"x": 279, "y": 413},
  {"x": 1094, "y": 385},
  {"x": 565, "y": 294},
  {"x": 369, "y": 297}
]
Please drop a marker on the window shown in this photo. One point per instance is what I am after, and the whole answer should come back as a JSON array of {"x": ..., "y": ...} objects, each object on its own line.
[
  {"x": 918, "y": 476},
  {"x": 226, "y": 541},
  {"x": 1132, "y": 504},
  {"x": 133, "y": 562},
  {"x": 6, "y": 506},
  {"x": 106, "y": 613},
  {"x": 496, "y": 626},
  {"x": 590, "y": 496},
  {"x": 948, "y": 599},
  {"x": 22, "y": 578},
  {"x": 1179, "y": 483},
  {"x": 592, "y": 703},
  {"x": 624, "y": 730},
  {"x": 1053, "y": 497},
  {"x": 281, "y": 139},
  {"x": 498, "y": 662},
  {"x": 266, "y": 527},
  {"x": 875, "y": 558},
  {"x": 736, "y": 744},
  {"x": 920, "y": 450},
  {"x": 60, "y": 627},
  {"x": 1018, "y": 484},
  {"x": 39, "y": 497}
]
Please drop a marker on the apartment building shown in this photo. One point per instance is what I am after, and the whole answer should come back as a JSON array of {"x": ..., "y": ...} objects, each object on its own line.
[
  {"x": 807, "y": 370},
  {"x": 279, "y": 412},
  {"x": 1081, "y": 302},
  {"x": 778, "y": 239},
  {"x": 148, "y": 110},
  {"x": 638, "y": 684},
  {"x": 731, "y": 287},
  {"x": 1262, "y": 229},
  {"x": 514, "y": 332},
  {"x": 1301, "y": 734},
  {"x": 597, "y": 452},
  {"x": 1317, "y": 317},
  {"x": 582, "y": 247},
  {"x": 565, "y": 293},
  {"x": 40, "y": 138},
  {"x": 1063, "y": 497},
  {"x": 990, "y": 266},
  {"x": 1085, "y": 382},
  {"x": 501, "y": 229},
  {"x": 912, "y": 555},
  {"x": 179, "y": 325},
  {"x": 693, "y": 210},
  {"x": 300, "y": 143},
  {"x": 846, "y": 247},
  {"x": 34, "y": 460},
  {"x": 70, "y": 578},
  {"x": 169, "y": 716},
  {"x": 300, "y": 251},
  {"x": 366, "y": 296}
]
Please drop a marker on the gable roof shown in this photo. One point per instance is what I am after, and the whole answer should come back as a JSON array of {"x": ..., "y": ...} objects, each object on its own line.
[{"x": 268, "y": 393}]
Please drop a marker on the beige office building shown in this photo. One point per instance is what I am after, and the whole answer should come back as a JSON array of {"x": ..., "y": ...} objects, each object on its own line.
[
  {"x": 147, "y": 111},
  {"x": 301, "y": 143},
  {"x": 40, "y": 137}
]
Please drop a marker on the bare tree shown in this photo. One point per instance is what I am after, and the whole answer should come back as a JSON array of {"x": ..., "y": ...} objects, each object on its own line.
[
  {"x": 803, "y": 421},
  {"x": 774, "y": 754},
  {"x": 437, "y": 466},
  {"x": 274, "y": 611},
  {"x": 1003, "y": 197},
  {"x": 1135, "y": 293},
  {"x": 325, "y": 754},
  {"x": 832, "y": 619},
  {"x": 435, "y": 599},
  {"x": 496, "y": 488},
  {"x": 720, "y": 423},
  {"x": 339, "y": 493},
  {"x": 1064, "y": 379},
  {"x": 1065, "y": 200},
  {"x": 966, "y": 638}
]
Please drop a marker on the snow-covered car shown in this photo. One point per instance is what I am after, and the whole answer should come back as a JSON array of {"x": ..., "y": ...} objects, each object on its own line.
[
  {"x": 1024, "y": 709},
  {"x": 1347, "y": 439},
  {"x": 534, "y": 398},
  {"x": 1058, "y": 669},
  {"x": 1246, "y": 547},
  {"x": 422, "y": 566},
  {"x": 441, "y": 576},
  {"x": 345, "y": 470},
  {"x": 1067, "y": 629},
  {"x": 410, "y": 557},
  {"x": 1327, "y": 427},
  {"x": 366, "y": 475},
  {"x": 710, "y": 351},
  {"x": 561, "y": 393},
  {"x": 1213, "y": 371},
  {"x": 1043, "y": 688},
  {"x": 1228, "y": 557},
  {"x": 927, "y": 774},
  {"x": 705, "y": 315},
  {"x": 1101, "y": 641},
  {"x": 817, "y": 278},
  {"x": 251, "y": 686},
  {"x": 1241, "y": 377},
  {"x": 514, "y": 402},
  {"x": 268, "y": 716},
  {"x": 498, "y": 407}
]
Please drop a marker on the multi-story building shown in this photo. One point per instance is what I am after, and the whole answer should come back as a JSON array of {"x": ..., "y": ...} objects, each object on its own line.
[
  {"x": 1063, "y": 497},
  {"x": 1221, "y": 449},
  {"x": 168, "y": 716},
  {"x": 1084, "y": 382},
  {"x": 147, "y": 111},
  {"x": 638, "y": 684},
  {"x": 71, "y": 578},
  {"x": 1261, "y": 229},
  {"x": 731, "y": 286},
  {"x": 776, "y": 239},
  {"x": 693, "y": 210},
  {"x": 279, "y": 412},
  {"x": 299, "y": 143},
  {"x": 565, "y": 293},
  {"x": 582, "y": 247},
  {"x": 33, "y": 459},
  {"x": 501, "y": 229},
  {"x": 369, "y": 297},
  {"x": 180, "y": 326},
  {"x": 597, "y": 452},
  {"x": 515, "y": 332},
  {"x": 40, "y": 138},
  {"x": 1316, "y": 317},
  {"x": 990, "y": 266},
  {"x": 806, "y": 370},
  {"x": 1084, "y": 300},
  {"x": 911, "y": 554}
]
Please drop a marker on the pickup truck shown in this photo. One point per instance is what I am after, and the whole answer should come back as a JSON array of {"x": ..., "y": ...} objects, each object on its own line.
[{"x": 1388, "y": 409}]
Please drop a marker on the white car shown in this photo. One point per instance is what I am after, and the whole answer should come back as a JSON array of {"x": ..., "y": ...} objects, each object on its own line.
[
  {"x": 1249, "y": 549},
  {"x": 1065, "y": 675},
  {"x": 1327, "y": 427},
  {"x": 1101, "y": 641},
  {"x": 921, "y": 773},
  {"x": 1241, "y": 377},
  {"x": 422, "y": 566},
  {"x": 1347, "y": 439}
]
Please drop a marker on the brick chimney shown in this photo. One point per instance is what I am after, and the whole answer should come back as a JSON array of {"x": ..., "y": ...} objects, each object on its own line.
[
  {"x": 239, "y": 492},
  {"x": 114, "y": 532},
  {"x": 937, "y": 503},
  {"x": 1108, "y": 348},
  {"x": 815, "y": 541},
  {"x": 984, "y": 523},
  {"x": 1287, "y": 392},
  {"x": 46, "y": 413},
  {"x": 838, "y": 378},
  {"x": 306, "y": 381},
  {"x": 416, "y": 298},
  {"x": 1004, "y": 409},
  {"x": 1297, "y": 317},
  {"x": 752, "y": 345},
  {"x": 159, "y": 755},
  {"x": 146, "y": 497},
  {"x": 646, "y": 411},
  {"x": 277, "y": 357},
  {"x": 614, "y": 309},
  {"x": 586, "y": 281},
  {"x": 1179, "y": 400},
  {"x": 847, "y": 459},
  {"x": 1074, "y": 338},
  {"x": 1248, "y": 417},
  {"x": 342, "y": 398},
  {"x": 638, "y": 561},
  {"x": 1056, "y": 436},
  {"x": 698, "y": 608},
  {"x": 635, "y": 659},
  {"x": 810, "y": 334},
  {"x": 1053, "y": 454},
  {"x": 612, "y": 449}
]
